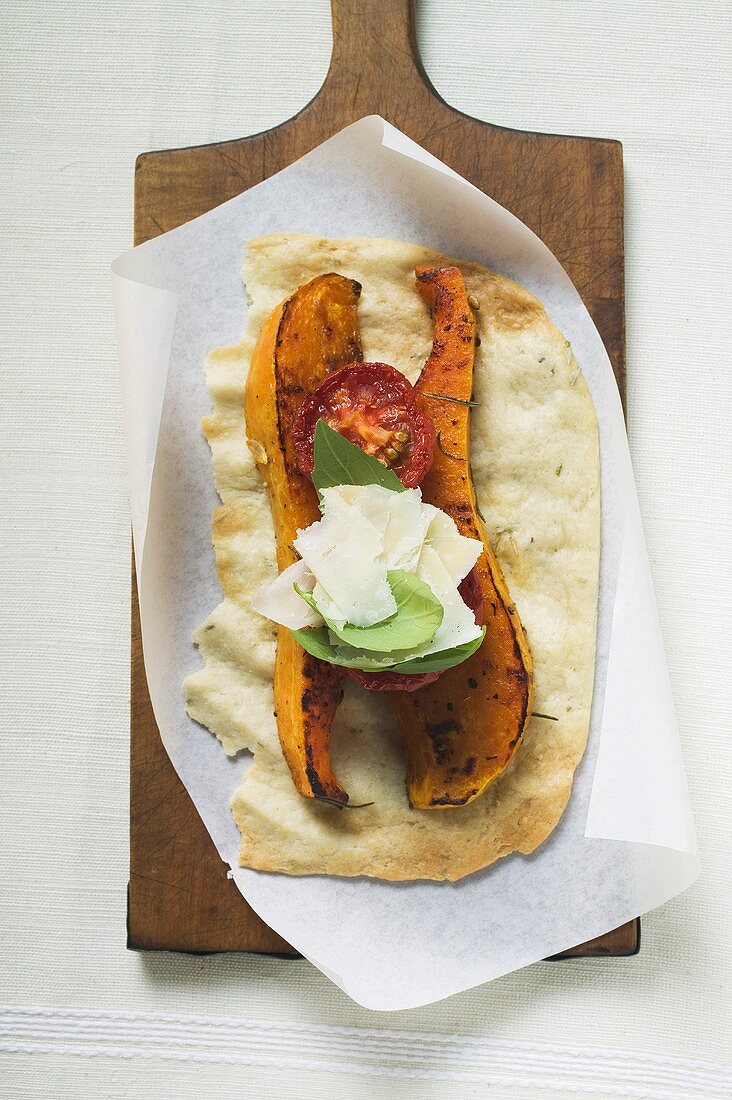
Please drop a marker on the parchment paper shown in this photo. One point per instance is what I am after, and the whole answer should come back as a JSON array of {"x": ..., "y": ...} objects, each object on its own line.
[{"x": 626, "y": 842}]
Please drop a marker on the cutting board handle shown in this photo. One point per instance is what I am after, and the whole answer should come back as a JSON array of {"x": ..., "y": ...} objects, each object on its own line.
[{"x": 375, "y": 61}]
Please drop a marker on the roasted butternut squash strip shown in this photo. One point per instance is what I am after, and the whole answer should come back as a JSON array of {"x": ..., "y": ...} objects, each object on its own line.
[
  {"x": 305, "y": 338},
  {"x": 461, "y": 732}
]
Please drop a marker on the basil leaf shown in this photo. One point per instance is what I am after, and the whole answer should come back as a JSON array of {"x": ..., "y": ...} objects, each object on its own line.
[
  {"x": 308, "y": 597},
  {"x": 318, "y": 644},
  {"x": 444, "y": 659},
  {"x": 412, "y": 664},
  {"x": 414, "y": 624},
  {"x": 340, "y": 462}
]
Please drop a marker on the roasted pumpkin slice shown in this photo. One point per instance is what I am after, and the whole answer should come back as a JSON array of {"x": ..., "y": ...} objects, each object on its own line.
[
  {"x": 312, "y": 333},
  {"x": 461, "y": 731}
]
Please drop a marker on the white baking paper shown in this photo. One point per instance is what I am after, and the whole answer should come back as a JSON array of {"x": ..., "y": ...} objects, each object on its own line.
[{"x": 626, "y": 842}]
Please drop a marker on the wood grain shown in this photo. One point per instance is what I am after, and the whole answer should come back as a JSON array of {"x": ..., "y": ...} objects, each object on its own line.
[{"x": 569, "y": 190}]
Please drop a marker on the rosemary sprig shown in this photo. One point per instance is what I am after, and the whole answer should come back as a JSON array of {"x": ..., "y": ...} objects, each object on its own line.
[
  {"x": 454, "y": 400},
  {"x": 549, "y": 717},
  {"x": 342, "y": 805}
]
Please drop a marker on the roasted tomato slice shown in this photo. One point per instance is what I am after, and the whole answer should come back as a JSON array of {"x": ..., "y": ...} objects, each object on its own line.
[
  {"x": 390, "y": 680},
  {"x": 374, "y": 406},
  {"x": 472, "y": 594}
]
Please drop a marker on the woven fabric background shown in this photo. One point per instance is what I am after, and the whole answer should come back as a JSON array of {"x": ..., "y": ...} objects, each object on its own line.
[{"x": 84, "y": 88}]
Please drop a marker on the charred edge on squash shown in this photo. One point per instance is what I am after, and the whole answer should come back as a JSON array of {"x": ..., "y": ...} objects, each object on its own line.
[
  {"x": 521, "y": 676},
  {"x": 319, "y": 791},
  {"x": 467, "y": 769},
  {"x": 329, "y": 693},
  {"x": 330, "y": 697},
  {"x": 277, "y": 344},
  {"x": 447, "y": 800},
  {"x": 439, "y": 734}
]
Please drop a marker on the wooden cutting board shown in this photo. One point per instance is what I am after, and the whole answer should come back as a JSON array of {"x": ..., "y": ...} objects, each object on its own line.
[{"x": 569, "y": 190}]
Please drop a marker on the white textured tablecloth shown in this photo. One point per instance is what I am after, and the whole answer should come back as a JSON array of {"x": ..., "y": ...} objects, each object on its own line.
[{"x": 85, "y": 87}]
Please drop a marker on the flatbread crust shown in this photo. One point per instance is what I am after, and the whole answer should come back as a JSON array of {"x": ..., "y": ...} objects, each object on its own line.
[{"x": 535, "y": 461}]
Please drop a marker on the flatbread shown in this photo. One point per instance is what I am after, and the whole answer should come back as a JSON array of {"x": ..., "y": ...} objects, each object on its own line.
[{"x": 535, "y": 461}]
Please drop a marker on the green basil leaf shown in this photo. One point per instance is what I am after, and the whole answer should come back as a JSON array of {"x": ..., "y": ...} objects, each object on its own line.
[
  {"x": 308, "y": 597},
  {"x": 412, "y": 664},
  {"x": 444, "y": 659},
  {"x": 318, "y": 644},
  {"x": 340, "y": 462},
  {"x": 414, "y": 624}
]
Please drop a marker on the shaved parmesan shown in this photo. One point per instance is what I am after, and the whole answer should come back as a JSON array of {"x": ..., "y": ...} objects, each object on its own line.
[
  {"x": 280, "y": 602},
  {"x": 458, "y": 623},
  {"x": 457, "y": 553},
  {"x": 365, "y": 532},
  {"x": 399, "y": 518},
  {"x": 341, "y": 550}
]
